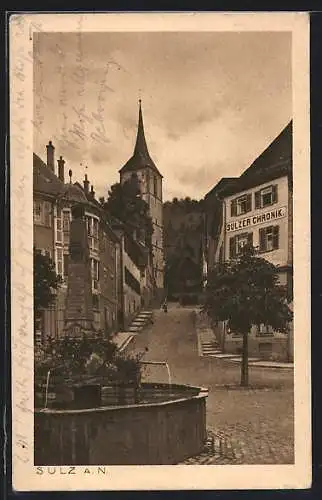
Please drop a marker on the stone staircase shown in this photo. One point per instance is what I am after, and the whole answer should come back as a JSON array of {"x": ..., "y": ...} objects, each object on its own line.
[{"x": 143, "y": 319}]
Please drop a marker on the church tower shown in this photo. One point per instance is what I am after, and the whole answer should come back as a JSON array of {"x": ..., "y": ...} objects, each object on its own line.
[{"x": 150, "y": 179}]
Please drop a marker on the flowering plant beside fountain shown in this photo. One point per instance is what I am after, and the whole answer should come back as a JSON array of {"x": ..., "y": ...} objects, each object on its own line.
[{"x": 83, "y": 361}]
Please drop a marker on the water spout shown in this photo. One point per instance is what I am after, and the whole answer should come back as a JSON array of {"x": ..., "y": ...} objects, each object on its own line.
[
  {"x": 162, "y": 363},
  {"x": 47, "y": 383},
  {"x": 47, "y": 386}
]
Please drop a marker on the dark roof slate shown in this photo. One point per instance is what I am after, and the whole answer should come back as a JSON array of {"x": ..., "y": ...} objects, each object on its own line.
[
  {"x": 44, "y": 179},
  {"x": 274, "y": 162},
  {"x": 141, "y": 157}
]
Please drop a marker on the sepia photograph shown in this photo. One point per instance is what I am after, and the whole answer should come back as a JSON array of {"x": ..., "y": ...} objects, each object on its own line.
[{"x": 159, "y": 216}]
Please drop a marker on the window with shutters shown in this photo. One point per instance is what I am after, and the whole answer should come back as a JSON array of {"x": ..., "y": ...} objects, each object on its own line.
[
  {"x": 95, "y": 234},
  {"x": 241, "y": 205},
  {"x": 66, "y": 226},
  {"x": 59, "y": 234},
  {"x": 59, "y": 261},
  {"x": 266, "y": 197},
  {"x": 237, "y": 243},
  {"x": 47, "y": 213},
  {"x": 269, "y": 239},
  {"x": 42, "y": 213},
  {"x": 37, "y": 212},
  {"x": 92, "y": 232},
  {"x": 95, "y": 273}
]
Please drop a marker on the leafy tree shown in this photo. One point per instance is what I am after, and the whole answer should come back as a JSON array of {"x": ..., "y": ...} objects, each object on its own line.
[
  {"x": 244, "y": 292},
  {"x": 124, "y": 202},
  {"x": 46, "y": 282}
]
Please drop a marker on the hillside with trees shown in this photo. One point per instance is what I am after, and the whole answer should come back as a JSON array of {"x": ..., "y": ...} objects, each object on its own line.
[{"x": 183, "y": 233}]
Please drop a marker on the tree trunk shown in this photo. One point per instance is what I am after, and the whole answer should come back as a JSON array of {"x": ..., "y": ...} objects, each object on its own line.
[{"x": 244, "y": 365}]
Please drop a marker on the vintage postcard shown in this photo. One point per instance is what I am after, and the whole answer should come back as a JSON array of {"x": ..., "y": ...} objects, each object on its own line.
[{"x": 160, "y": 229}]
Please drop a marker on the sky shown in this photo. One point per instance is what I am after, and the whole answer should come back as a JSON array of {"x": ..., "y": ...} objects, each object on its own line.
[{"x": 212, "y": 102}]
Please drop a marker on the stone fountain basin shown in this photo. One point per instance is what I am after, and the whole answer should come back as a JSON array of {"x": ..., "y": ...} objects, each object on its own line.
[{"x": 164, "y": 431}]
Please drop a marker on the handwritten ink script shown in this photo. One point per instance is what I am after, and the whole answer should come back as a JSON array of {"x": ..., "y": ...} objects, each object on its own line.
[
  {"x": 21, "y": 254},
  {"x": 82, "y": 121}
]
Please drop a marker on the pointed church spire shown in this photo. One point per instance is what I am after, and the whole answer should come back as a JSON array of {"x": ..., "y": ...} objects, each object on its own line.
[
  {"x": 141, "y": 157},
  {"x": 141, "y": 147}
]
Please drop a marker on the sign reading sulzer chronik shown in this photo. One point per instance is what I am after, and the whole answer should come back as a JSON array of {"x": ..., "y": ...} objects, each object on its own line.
[{"x": 254, "y": 220}]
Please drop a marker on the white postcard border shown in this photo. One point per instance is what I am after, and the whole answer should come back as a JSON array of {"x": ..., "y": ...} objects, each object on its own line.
[{"x": 25, "y": 475}]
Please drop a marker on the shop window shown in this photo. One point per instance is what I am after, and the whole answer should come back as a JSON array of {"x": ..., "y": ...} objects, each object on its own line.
[
  {"x": 241, "y": 205},
  {"x": 269, "y": 239},
  {"x": 237, "y": 243},
  {"x": 266, "y": 197}
]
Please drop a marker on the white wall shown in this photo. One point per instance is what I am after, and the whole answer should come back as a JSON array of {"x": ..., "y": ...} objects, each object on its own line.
[{"x": 279, "y": 256}]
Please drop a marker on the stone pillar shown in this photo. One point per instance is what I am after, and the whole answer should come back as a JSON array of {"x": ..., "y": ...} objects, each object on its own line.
[{"x": 79, "y": 316}]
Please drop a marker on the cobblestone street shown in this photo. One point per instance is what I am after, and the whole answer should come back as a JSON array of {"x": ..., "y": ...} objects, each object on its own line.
[{"x": 245, "y": 426}]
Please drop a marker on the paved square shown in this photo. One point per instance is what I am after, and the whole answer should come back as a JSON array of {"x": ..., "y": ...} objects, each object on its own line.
[{"x": 245, "y": 426}]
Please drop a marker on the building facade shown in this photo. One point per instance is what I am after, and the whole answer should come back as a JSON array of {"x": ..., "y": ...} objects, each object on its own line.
[
  {"x": 150, "y": 181},
  {"x": 121, "y": 283},
  {"x": 53, "y": 202},
  {"x": 257, "y": 209},
  {"x": 213, "y": 224}
]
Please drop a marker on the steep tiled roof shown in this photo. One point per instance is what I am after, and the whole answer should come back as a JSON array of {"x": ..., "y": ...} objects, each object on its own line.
[
  {"x": 44, "y": 179},
  {"x": 222, "y": 184},
  {"x": 275, "y": 161},
  {"x": 278, "y": 152},
  {"x": 141, "y": 157},
  {"x": 74, "y": 193}
]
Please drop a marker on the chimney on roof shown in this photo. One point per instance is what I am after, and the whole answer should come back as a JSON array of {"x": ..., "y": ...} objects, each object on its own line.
[
  {"x": 92, "y": 193},
  {"x": 61, "y": 169},
  {"x": 86, "y": 185},
  {"x": 51, "y": 156}
]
